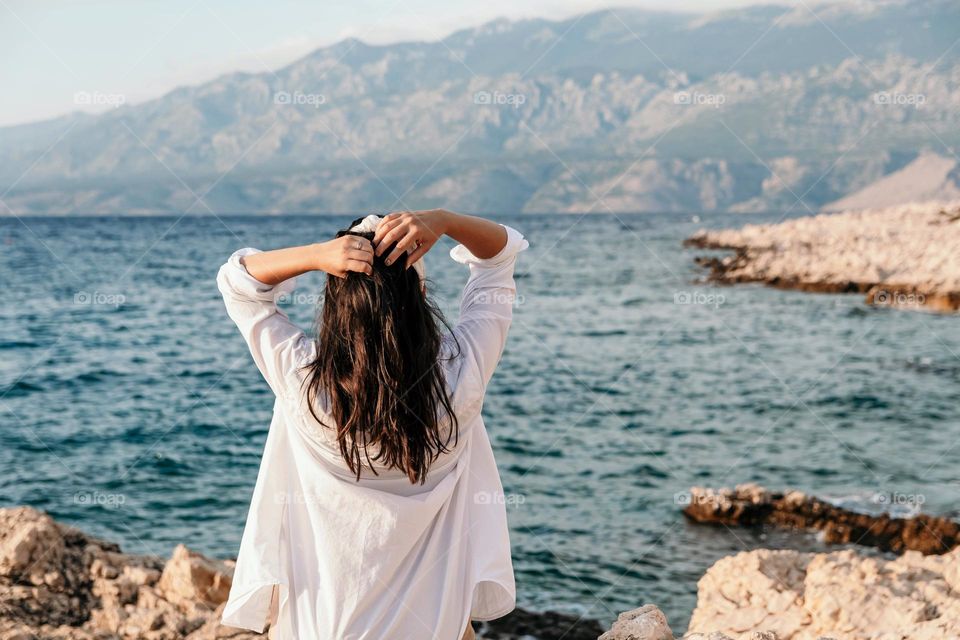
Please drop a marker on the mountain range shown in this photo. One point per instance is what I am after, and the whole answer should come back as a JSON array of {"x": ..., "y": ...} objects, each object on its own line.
[{"x": 803, "y": 107}]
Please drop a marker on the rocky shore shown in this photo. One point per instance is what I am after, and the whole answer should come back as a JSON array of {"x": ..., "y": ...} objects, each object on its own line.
[
  {"x": 903, "y": 256},
  {"x": 788, "y": 595},
  {"x": 801, "y": 596},
  {"x": 58, "y": 583},
  {"x": 750, "y": 505},
  {"x": 843, "y": 595}
]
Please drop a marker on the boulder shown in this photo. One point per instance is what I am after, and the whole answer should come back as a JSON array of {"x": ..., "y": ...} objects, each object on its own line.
[
  {"x": 645, "y": 623},
  {"x": 190, "y": 578},
  {"x": 804, "y": 596},
  {"x": 32, "y": 547}
]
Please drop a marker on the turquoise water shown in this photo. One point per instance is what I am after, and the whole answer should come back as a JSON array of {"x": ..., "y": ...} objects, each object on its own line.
[{"x": 130, "y": 406}]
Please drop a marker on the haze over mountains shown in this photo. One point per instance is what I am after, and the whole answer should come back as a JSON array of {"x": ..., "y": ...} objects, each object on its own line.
[{"x": 764, "y": 108}]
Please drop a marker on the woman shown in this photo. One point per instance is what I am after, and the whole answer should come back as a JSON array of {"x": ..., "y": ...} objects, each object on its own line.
[{"x": 378, "y": 511}]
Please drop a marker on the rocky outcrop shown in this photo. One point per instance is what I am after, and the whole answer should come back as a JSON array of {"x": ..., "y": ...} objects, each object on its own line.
[
  {"x": 59, "y": 583},
  {"x": 903, "y": 256},
  {"x": 803, "y": 596},
  {"x": 189, "y": 579},
  {"x": 649, "y": 623},
  {"x": 645, "y": 623},
  {"x": 750, "y": 505},
  {"x": 788, "y": 595}
]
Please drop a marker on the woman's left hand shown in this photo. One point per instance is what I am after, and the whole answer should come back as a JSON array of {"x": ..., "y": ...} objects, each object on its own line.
[{"x": 415, "y": 233}]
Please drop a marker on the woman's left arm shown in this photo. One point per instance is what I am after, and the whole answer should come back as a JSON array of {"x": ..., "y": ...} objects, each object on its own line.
[
  {"x": 251, "y": 282},
  {"x": 336, "y": 257}
]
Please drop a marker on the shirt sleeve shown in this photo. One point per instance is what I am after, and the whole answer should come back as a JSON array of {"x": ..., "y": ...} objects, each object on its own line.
[
  {"x": 279, "y": 348},
  {"x": 486, "y": 307}
]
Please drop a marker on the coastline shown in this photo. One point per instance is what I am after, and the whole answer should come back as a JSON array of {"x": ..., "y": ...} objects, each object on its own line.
[
  {"x": 57, "y": 582},
  {"x": 899, "y": 256},
  {"x": 750, "y": 505},
  {"x": 909, "y": 590}
]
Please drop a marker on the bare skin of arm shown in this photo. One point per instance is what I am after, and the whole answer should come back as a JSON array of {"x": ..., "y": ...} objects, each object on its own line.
[
  {"x": 415, "y": 233},
  {"x": 336, "y": 257}
]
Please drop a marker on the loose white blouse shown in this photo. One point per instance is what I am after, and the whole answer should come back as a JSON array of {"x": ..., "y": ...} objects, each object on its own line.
[{"x": 379, "y": 558}]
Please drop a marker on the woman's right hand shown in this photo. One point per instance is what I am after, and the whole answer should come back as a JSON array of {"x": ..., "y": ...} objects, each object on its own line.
[
  {"x": 347, "y": 253},
  {"x": 414, "y": 232}
]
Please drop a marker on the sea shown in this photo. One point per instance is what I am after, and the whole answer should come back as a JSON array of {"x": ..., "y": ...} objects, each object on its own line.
[{"x": 130, "y": 407}]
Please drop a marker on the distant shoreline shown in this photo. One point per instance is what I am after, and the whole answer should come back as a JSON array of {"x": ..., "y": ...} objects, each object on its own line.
[{"x": 902, "y": 256}]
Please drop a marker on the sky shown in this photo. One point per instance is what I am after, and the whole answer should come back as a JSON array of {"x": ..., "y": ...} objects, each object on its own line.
[{"x": 60, "y": 56}]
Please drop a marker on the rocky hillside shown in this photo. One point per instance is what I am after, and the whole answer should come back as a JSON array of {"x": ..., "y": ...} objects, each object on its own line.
[{"x": 761, "y": 108}]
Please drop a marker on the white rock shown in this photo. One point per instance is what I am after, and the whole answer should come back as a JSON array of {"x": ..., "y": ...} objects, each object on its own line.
[
  {"x": 843, "y": 595},
  {"x": 645, "y": 623},
  {"x": 907, "y": 253},
  {"x": 190, "y": 577}
]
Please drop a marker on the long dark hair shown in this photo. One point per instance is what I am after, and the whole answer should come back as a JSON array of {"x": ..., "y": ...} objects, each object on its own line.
[{"x": 378, "y": 350}]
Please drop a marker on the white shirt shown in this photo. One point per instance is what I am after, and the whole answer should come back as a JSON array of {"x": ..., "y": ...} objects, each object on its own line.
[{"x": 379, "y": 558}]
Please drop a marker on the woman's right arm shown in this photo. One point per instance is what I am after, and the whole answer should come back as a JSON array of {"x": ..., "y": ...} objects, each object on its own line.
[
  {"x": 483, "y": 238},
  {"x": 486, "y": 306},
  {"x": 417, "y": 231}
]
